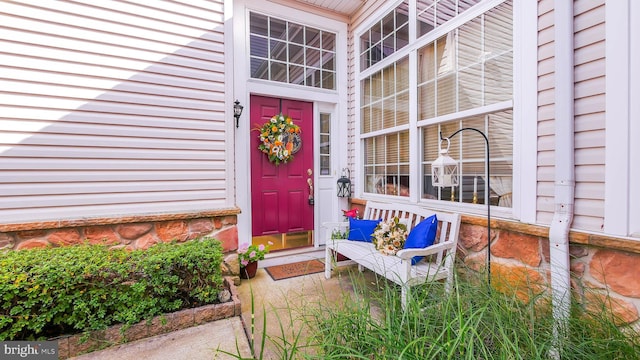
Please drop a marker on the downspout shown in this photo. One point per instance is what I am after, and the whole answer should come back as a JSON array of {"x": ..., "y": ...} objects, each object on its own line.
[{"x": 564, "y": 168}]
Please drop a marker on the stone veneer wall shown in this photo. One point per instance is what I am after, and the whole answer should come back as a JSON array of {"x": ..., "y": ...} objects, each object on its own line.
[
  {"x": 136, "y": 232},
  {"x": 604, "y": 270}
]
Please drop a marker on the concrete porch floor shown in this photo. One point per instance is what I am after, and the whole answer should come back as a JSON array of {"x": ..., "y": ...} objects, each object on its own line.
[{"x": 279, "y": 301}]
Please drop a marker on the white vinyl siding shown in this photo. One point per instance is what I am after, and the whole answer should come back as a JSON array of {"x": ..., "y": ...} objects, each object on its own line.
[
  {"x": 589, "y": 90},
  {"x": 111, "y": 109},
  {"x": 589, "y": 39}
]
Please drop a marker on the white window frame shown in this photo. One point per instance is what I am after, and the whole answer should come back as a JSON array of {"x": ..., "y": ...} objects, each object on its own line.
[{"x": 524, "y": 108}]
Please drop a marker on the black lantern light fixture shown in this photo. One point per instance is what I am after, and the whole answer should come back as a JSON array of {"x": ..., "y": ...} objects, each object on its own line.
[
  {"x": 445, "y": 174},
  {"x": 344, "y": 184},
  {"x": 237, "y": 111}
]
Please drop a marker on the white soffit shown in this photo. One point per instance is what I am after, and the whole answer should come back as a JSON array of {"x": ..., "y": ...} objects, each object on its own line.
[{"x": 344, "y": 7}]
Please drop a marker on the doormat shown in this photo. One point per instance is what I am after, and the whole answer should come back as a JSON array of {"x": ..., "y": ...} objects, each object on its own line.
[{"x": 286, "y": 271}]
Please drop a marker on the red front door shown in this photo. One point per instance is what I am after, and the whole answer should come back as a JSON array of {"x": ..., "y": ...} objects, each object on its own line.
[{"x": 280, "y": 193}]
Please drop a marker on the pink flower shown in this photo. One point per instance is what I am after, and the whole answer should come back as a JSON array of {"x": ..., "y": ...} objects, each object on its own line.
[
  {"x": 261, "y": 247},
  {"x": 252, "y": 255},
  {"x": 244, "y": 262},
  {"x": 243, "y": 248}
]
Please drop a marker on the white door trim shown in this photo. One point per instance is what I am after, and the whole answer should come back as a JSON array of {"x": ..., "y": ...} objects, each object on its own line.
[{"x": 244, "y": 87}]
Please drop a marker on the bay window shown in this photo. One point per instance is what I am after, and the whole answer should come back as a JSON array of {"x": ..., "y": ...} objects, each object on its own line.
[{"x": 464, "y": 71}]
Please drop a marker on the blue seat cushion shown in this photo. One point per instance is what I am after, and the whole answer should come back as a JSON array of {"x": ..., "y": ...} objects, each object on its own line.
[
  {"x": 422, "y": 235},
  {"x": 361, "y": 230}
]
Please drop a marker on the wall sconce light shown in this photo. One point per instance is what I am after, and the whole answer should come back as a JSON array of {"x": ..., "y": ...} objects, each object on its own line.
[
  {"x": 445, "y": 173},
  {"x": 344, "y": 184},
  {"x": 237, "y": 111}
]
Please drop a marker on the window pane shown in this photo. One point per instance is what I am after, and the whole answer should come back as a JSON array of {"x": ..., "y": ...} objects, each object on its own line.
[
  {"x": 325, "y": 123},
  {"x": 470, "y": 43},
  {"x": 388, "y": 24},
  {"x": 296, "y": 75},
  {"x": 312, "y": 37},
  {"x": 445, "y": 11},
  {"x": 258, "y": 24},
  {"x": 498, "y": 25},
  {"x": 388, "y": 46},
  {"x": 402, "y": 75},
  {"x": 425, "y": 16},
  {"x": 402, "y": 37},
  {"x": 470, "y": 88},
  {"x": 446, "y": 95},
  {"x": 365, "y": 113},
  {"x": 277, "y": 29},
  {"x": 402, "y": 108},
  {"x": 324, "y": 144},
  {"x": 376, "y": 116},
  {"x": 296, "y": 54},
  {"x": 328, "y": 60},
  {"x": 296, "y": 33},
  {"x": 365, "y": 92},
  {"x": 328, "y": 79},
  {"x": 278, "y": 50},
  {"x": 498, "y": 79},
  {"x": 389, "y": 113},
  {"x": 313, "y": 57},
  {"x": 328, "y": 41},
  {"x": 388, "y": 81},
  {"x": 426, "y": 63},
  {"x": 445, "y": 55},
  {"x": 278, "y": 71},
  {"x": 259, "y": 69},
  {"x": 324, "y": 166},
  {"x": 259, "y": 46},
  {"x": 426, "y": 101}
]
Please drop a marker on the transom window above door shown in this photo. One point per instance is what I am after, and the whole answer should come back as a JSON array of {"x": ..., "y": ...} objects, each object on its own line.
[{"x": 292, "y": 53}]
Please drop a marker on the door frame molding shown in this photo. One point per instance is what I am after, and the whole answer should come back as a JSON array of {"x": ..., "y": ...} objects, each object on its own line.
[{"x": 244, "y": 87}]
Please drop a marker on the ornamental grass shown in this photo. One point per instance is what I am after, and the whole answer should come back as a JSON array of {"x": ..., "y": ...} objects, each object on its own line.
[{"x": 469, "y": 322}]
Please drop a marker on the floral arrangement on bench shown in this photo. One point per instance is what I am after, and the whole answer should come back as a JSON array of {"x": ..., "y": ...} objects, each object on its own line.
[{"x": 390, "y": 236}]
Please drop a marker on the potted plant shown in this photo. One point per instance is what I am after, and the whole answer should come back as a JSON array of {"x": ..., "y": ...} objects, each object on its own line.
[{"x": 248, "y": 255}]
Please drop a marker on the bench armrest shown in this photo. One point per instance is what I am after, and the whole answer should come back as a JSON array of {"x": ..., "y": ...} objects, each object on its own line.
[
  {"x": 334, "y": 225},
  {"x": 336, "y": 230},
  {"x": 407, "y": 254}
]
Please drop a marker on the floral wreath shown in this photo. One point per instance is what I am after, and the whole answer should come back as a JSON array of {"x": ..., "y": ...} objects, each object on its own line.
[{"x": 276, "y": 138}]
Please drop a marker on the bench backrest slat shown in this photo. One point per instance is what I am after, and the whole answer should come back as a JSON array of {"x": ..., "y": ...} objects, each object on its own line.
[{"x": 412, "y": 215}]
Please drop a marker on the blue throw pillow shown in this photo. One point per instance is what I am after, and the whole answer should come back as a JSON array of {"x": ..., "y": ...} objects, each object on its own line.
[
  {"x": 422, "y": 235},
  {"x": 361, "y": 230}
]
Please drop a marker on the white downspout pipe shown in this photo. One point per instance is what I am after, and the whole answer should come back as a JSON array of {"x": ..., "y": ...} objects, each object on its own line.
[{"x": 564, "y": 167}]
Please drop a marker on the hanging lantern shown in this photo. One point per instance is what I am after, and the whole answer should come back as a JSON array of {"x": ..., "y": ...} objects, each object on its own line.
[
  {"x": 344, "y": 185},
  {"x": 444, "y": 170}
]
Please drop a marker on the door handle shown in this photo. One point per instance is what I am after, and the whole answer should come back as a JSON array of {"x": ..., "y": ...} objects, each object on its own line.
[{"x": 310, "y": 183}]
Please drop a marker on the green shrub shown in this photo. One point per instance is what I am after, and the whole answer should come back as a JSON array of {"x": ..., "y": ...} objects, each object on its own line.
[{"x": 53, "y": 291}]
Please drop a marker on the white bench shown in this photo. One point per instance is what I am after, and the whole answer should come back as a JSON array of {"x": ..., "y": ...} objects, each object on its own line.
[{"x": 436, "y": 265}]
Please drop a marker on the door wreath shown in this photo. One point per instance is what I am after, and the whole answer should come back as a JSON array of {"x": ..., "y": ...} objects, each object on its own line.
[{"x": 279, "y": 139}]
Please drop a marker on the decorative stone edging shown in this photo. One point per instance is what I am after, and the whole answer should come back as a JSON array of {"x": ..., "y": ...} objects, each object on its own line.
[{"x": 71, "y": 345}]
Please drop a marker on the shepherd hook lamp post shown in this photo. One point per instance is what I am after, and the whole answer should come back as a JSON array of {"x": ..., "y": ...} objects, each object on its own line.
[
  {"x": 445, "y": 174},
  {"x": 237, "y": 111}
]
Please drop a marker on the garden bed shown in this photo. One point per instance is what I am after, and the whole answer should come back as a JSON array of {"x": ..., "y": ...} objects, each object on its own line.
[{"x": 74, "y": 345}]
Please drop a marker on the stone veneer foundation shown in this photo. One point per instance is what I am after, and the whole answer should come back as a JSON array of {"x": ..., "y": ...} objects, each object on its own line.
[
  {"x": 605, "y": 271},
  {"x": 134, "y": 232}
]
